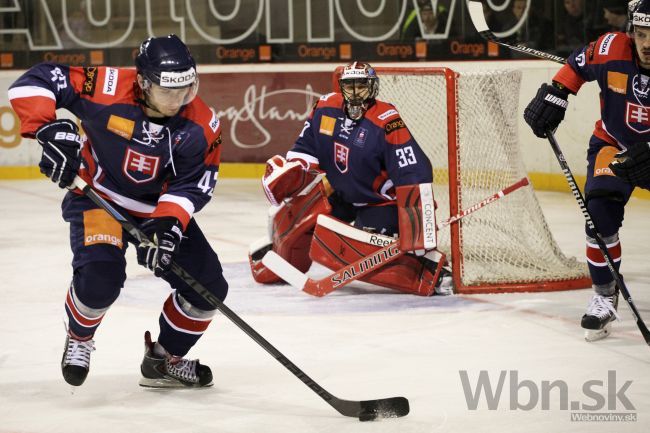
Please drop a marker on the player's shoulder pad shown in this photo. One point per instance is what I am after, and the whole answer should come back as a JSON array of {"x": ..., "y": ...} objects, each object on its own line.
[
  {"x": 609, "y": 47},
  {"x": 385, "y": 115},
  {"x": 199, "y": 113},
  {"x": 330, "y": 100},
  {"x": 103, "y": 84},
  {"x": 382, "y": 113}
]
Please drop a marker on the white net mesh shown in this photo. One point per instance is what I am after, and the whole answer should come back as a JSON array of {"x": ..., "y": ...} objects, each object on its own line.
[{"x": 506, "y": 242}]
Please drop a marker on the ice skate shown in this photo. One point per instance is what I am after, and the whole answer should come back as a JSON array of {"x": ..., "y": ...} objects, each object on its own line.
[
  {"x": 76, "y": 359},
  {"x": 445, "y": 284},
  {"x": 166, "y": 371},
  {"x": 600, "y": 313}
]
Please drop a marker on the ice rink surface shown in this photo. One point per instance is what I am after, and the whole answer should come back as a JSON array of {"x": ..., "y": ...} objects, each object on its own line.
[{"x": 358, "y": 343}]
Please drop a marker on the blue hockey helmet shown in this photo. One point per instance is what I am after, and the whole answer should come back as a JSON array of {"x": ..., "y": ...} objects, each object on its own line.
[
  {"x": 166, "y": 62},
  {"x": 638, "y": 14},
  {"x": 359, "y": 85}
]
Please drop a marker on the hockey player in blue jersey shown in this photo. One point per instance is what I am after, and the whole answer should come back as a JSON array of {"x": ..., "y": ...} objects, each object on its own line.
[
  {"x": 379, "y": 179},
  {"x": 152, "y": 148},
  {"x": 620, "y": 64}
]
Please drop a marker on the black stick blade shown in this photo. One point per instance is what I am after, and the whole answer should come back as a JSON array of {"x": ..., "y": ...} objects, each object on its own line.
[
  {"x": 475, "y": 9},
  {"x": 368, "y": 410},
  {"x": 394, "y": 407}
]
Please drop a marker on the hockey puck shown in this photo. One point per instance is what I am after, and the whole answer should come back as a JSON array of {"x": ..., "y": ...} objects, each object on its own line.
[{"x": 367, "y": 416}]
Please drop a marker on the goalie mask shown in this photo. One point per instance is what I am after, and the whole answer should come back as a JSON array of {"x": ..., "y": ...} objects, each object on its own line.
[
  {"x": 359, "y": 85},
  {"x": 166, "y": 74}
]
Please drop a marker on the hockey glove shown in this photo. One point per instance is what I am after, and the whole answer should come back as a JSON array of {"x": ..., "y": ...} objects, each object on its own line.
[
  {"x": 546, "y": 110},
  {"x": 158, "y": 255},
  {"x": 61, "y": 145},
  {"x": 633, "y": 164}
]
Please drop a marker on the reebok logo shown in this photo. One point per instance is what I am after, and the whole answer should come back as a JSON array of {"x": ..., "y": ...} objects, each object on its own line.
[
  {"x": 556, "y": 101},
  {"x": 380, "y": 241},
  {"x": 110, "y": 81}
]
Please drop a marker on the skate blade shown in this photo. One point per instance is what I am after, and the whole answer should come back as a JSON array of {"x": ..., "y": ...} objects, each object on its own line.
[
  {"x": 592, "y": 335},
  {"x": 164, "y": 383}
]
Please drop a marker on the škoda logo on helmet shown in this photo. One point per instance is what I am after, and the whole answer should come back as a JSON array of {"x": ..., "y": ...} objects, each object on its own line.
[
  {"x": 643, "y": 19},
  {"x": 177, "y": 79}
]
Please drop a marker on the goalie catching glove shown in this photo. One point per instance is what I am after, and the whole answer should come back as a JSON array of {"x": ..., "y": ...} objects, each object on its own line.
[
  {"x": 61, "y": 143},
  {"x": 283, "y": 179},
  {"x": 633, "y": 164},
  {"x": 546, "y": 110},
  {"x": 158, "y": 255}
]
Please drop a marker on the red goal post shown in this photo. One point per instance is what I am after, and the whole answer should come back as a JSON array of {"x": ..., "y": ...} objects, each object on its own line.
[{"x": 467, "y": 125}]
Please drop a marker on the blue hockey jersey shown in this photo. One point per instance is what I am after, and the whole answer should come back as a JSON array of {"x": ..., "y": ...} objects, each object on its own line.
[
  {"x": 624, "y": 87},
  {"x": 364, "y": 160},
  {"x": 147, "y": 168}
]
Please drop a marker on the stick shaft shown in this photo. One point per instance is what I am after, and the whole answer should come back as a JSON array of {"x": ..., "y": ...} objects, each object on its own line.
[
  {"x": 599, "y": 239},
  {"x": 132, "y": 228}
]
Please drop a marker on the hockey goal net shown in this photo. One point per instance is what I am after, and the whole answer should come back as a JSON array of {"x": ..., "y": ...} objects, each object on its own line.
[{"x": 467, "y": 125}]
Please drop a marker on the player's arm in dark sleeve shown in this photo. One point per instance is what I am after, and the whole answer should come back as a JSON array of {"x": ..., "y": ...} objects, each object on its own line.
[
  {"x": 41, "y": 90},
  {"x": 195, "y": 168},
  {"x": 406, "y": 162}
]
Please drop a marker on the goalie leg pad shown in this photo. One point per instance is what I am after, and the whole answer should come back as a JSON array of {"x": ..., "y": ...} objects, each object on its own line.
[
  {"x": 292, "y": 227},
  {"x": 417, "y": 217},
  {"x": 336, "y": 244}
]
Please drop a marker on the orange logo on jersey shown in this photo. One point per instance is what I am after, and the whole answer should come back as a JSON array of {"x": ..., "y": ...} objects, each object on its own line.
[
  {"x": 617, "y": 82},
  {"x": 327, "y": 125},
  {"x": 101, "y": 228},
  {"x": 394, "y": 125},
  {"x": 121, "y": 126},
  {"x": 90, "y": 82},
  {"x": 604, "y": 157}
]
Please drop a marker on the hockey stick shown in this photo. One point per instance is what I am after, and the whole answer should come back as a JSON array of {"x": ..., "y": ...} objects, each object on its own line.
[
  {"x": 365, "y": 410},
  {"x": 362, "y": 267},
  {"x": 478, "y": 19},
  {"x": 599, "y": 239}
]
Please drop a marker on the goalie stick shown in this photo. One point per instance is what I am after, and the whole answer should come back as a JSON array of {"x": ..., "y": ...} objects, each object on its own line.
[
  {"x": 365, "y": 410},
  {"x": 478, "y": 19},
  {"x": 599, "y": 239},
  {"x": 365, "y": 265}
]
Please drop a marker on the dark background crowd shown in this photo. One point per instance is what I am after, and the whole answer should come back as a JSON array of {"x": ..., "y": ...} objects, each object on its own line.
[
  {"x": 560, "y": 25},
  {"x": 557, "y": 26}
]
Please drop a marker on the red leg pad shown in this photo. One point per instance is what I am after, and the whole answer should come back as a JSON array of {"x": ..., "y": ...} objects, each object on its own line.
[
  {"x": 292, "y": 230},
  {"x": 337, "y": 244}
]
